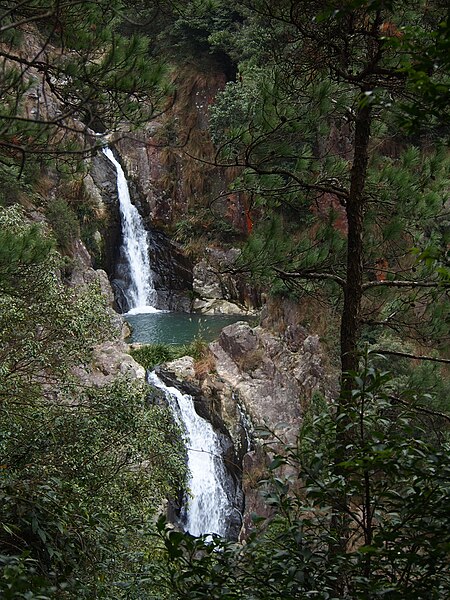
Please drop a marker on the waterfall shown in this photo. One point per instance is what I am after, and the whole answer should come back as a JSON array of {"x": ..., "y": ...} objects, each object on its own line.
[
  {"x": 140, "y": 292},
  {"x": 209, "y": 508}
]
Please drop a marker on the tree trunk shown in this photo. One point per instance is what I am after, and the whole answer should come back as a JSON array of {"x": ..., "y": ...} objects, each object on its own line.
[{"x": 350, "y": 322}]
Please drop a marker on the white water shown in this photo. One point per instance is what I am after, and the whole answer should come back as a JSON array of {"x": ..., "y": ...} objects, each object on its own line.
[
  {"x": 209, "y": 508},
  {"x": 140, "y": 293}
]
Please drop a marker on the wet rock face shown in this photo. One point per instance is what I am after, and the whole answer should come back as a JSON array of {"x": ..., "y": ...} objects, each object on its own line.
[
  {"x": 172, "y": 273},
  {"x": 102, "y": 183}
]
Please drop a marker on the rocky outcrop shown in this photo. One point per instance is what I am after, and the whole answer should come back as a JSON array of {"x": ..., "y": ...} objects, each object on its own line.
[
  {"x": 217, "y": 290},
  {"x": 258, "y": 375},
  {"x": 273, "y": 383},
  {"x": 260, "y": 379},
  {"x": 111, "y": 359}
]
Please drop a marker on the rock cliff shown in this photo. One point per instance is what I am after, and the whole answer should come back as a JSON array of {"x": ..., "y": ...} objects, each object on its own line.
[{"x": 257, "y": 378}]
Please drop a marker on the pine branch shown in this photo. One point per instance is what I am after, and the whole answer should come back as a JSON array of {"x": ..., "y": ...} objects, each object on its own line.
[
  {"x": 339, "y": 192},
  {"x": 310, "y": 276},
  {"x": 27, "y": 20},
  {"x": 405, "y": 283},
  {"x": 422, "y": 409},
  {"x": 414, "y": 356}
]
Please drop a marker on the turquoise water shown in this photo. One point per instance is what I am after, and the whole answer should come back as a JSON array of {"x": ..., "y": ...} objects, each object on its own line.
[{"x": 178, "y": 328}]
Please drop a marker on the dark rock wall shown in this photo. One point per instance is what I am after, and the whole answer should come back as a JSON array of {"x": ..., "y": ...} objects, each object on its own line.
[{"x": 104, "y": 178}]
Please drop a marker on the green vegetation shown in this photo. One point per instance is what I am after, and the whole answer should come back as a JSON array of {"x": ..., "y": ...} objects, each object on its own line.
[
  {"x": 83, "y": 469},
  {"x": 395, "y": 483},
  {"x": 347, "y": 206},
  {"x": 337, "y": 125},
  {"x": 64, "y": 223},
  {"x": 334, "y": 127},
  {"x": 151, "y": 355}
]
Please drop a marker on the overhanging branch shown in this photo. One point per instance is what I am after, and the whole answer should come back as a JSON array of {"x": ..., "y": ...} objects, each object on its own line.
[
  {"x": 310, "y": 276},
  {"x": 404, "y": 283},
  {"x": 414, "y": 356},
  {"x": 421, "y": 409}
]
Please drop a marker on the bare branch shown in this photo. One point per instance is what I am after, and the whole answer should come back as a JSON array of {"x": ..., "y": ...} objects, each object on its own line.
[{"x": 414, "y": 356}]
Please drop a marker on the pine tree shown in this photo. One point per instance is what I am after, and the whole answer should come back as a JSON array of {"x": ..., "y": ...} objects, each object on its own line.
[
  {"x": 320, "y": 146},
  {"x": 361, "y": 203},
  {"x": 65, "y": 72}
]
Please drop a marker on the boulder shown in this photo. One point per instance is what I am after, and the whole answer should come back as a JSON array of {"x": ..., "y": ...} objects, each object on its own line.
[
  {"x": 110, "y": 360},
  {"x": 219, "y": 307},
  {"x": 217, "y": 289}
]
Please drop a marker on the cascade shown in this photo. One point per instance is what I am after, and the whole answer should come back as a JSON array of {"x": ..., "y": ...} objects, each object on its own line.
[
  {"x": 140, "y": 292},
  {"x": 210, "y": 507}
]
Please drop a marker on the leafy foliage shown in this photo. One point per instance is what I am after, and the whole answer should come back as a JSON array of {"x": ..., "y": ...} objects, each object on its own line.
[
  {"x": 64, "y": 223},
  {"x": 428, "y": 73},
  {"x": 83, "y": 469},
  {"x": 151, "y": 355},
  {"x": 393, "y": 488}
]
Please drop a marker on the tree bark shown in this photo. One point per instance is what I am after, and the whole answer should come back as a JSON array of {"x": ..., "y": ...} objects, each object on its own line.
[
  {"x": 350, "y": 323},
  {"x": 353, "y": 289}
]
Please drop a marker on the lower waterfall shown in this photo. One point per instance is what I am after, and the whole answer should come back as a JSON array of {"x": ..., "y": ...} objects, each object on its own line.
[{"x": 210, "y": 504}]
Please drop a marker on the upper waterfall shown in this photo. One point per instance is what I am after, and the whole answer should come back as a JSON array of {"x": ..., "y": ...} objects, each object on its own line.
[{"x": 140, "y": 292}]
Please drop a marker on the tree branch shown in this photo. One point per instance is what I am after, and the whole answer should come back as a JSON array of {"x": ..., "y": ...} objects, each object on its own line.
[
  {"x": 405, "y": 283},
  {"x": 310, "y": 276},
  {"x": 414, "y": 356},
  {"x": 422, "y": 409}
]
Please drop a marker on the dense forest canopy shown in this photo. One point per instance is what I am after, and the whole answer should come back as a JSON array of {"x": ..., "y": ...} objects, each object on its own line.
[{"x": 334, "y": 122}]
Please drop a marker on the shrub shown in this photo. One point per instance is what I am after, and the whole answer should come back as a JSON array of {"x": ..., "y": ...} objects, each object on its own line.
[
  {"x": 64, "y": 223},
  {"x": 151, "y": 355}
]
